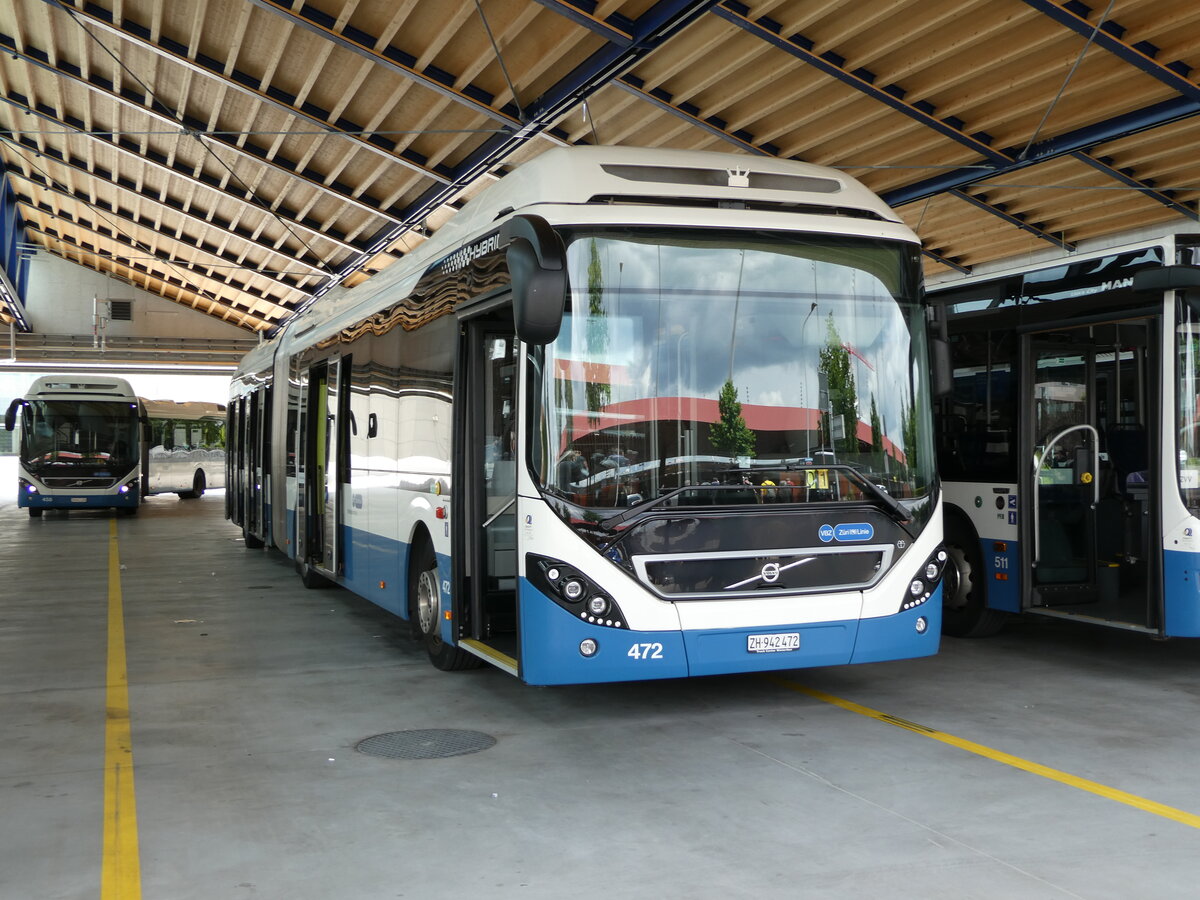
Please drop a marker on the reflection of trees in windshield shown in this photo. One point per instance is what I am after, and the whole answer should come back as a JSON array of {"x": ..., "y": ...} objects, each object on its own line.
[
  {"x": 688, "y": 360},
  {"x": 729, "y": 434},
  {"x": 60, "y": 434}
]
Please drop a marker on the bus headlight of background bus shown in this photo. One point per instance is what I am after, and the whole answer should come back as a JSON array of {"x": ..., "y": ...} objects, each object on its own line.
[
  {"x": 573, "y": 591},
  {"x": 921, "y": 588},
  {"x": 26, "y": 486}
]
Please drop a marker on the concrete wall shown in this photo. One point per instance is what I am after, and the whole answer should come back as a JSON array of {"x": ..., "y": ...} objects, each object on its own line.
[{"x": 60, "y": 296}]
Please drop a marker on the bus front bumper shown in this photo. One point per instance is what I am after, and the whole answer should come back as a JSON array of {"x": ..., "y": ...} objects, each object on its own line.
[{"x": 560, "y": 649}]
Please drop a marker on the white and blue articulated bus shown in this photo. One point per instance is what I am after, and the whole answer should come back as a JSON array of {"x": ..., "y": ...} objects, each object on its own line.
[
  {"x": 1069, "y": 447},
  {"x": 79, "y": 444},
  {"x": 630, "y": 414}
]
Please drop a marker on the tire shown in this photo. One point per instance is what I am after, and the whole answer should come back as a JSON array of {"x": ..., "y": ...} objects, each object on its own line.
[
  {"x": 425, "y": 608},
  {"x": 35, "y": 513},
  {"x": 127, "y": 510},
  {"x": 253, "y": 542},
  {"x": 198, "y": 485},
  {"x": 964, "y": 591}
]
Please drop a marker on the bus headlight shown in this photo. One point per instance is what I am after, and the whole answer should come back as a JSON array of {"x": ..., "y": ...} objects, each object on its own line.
[
  {"x": 568, "y": 588},
  {"x": 922, "y": 587}
]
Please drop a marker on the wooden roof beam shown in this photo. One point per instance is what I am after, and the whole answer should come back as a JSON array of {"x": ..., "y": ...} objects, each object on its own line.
[
  {"x": 157, "y": 160},
  {"x": 193, "y": 60},
  {"x": 160, "y": 200},
  {"x": 312, "y": 19},
  {"x": 1110, "y": 36},
  {"x": 283, "y": 279},
  {"x": 108, "y": 233},
  {"x": 154, "y": 108},
  {"x": 656, "y": 26}
]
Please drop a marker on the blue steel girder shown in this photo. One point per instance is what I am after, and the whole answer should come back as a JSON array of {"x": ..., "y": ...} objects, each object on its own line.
[
  {"x": 1110, "y": 36},
  {"x": 1165, "y": 112},
  {"x": 1001, "y": 212},
  {"x": 151, "y": 40},
  {"x": 615, "y": 29},
  {"x": 1165, "y": 197},
  {"x": 654, "y": 27},
  {"x": 862, "y": 80},
  {"x": 13, "y": 269},
  {"x": 946, "y": 261},
  {"x": 999, "y": 160}
]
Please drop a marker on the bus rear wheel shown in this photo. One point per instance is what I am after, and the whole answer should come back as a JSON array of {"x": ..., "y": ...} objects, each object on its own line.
[
  {"x": 964, "y": 607},
  {"x": 425, "y": 608}
]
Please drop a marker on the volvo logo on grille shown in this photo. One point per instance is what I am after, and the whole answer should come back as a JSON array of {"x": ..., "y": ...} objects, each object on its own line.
[{"x": 770, "y": 572}]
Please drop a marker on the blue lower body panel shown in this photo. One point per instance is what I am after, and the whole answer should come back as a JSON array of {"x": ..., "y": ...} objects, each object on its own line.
[
  {"x": 551, "y": 639},
  {"x": 914, "y": 632},
  {"x": 1181, "y": 593},
  {"x": 83, "y": 501}
]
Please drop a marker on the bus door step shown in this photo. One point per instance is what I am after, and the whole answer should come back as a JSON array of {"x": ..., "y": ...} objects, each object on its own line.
[{"x": 1065, "y": 594}]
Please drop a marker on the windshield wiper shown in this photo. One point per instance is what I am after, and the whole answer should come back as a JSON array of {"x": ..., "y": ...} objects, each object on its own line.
[
  {"x": 873, "y": 494},
  {"x": 647, "y": 505},
  {"x": 884, "y": 500}
]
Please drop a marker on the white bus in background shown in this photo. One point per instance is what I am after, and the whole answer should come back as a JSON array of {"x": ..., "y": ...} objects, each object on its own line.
[
  {"x": 89, "y": 442},
  {"x": 185, "y": 447}
]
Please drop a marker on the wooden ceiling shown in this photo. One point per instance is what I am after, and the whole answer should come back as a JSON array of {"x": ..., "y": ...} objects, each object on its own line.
[{"x": 241, "y": 157}]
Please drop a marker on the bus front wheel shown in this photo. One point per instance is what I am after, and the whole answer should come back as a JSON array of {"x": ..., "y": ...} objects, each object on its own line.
[
  {"x": 198, "y": 485},
  {"x": 965, "y": 612},
  {"x": 425, "y": 608},
  {"x": 35, "y": 513}
]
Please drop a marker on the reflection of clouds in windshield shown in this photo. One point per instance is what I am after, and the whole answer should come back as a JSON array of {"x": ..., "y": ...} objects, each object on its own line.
[{"x": 694, "y": 316}]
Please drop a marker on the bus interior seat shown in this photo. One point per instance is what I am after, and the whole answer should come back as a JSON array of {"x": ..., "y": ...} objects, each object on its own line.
[{"x": 1127, "y": 450}]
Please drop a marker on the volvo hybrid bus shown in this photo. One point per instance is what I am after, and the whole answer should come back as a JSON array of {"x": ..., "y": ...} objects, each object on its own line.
[
  {"x": 630, "y": 414},
  {"x": 89, "y": 442},
  {"x": 1069, "y": 447},
  {"x": 79, "y": 444}
]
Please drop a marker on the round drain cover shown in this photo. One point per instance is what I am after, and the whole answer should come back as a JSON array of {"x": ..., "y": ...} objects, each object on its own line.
[{"x": 428, "y": 743}]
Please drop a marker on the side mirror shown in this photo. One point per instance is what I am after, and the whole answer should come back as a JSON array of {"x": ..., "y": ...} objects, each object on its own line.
[
  {"x": 537, "y": 266},
  {"x": 10, "y": 417}
]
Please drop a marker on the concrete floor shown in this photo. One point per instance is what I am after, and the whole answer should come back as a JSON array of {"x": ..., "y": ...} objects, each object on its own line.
[{"x": 248, "y": 695}]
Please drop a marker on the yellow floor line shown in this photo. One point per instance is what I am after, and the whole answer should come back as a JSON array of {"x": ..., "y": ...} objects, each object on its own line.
[
  {"x": 1083, "y": 784},
  {"x": 120, "y": 875}
]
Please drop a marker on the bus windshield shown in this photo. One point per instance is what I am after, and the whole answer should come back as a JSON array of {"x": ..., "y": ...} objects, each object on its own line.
[
  {"x": 736, "y": 367},
  {"x": 83, "y": 436}
]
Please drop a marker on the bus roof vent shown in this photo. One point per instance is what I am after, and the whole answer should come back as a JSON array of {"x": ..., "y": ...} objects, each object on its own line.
[
  {"x": 734, "y": 177},
  {"x": 811, "y": 209},
  {"x": 53, "y": 387}
]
